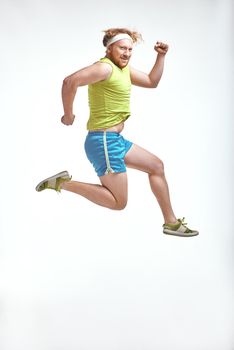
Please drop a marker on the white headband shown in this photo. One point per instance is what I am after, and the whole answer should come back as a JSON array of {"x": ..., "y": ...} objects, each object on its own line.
[{"x": 118, "y": 37}]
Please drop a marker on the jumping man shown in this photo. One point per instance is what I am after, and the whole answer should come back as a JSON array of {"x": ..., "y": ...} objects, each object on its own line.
[{"x": 109, "y": 85}]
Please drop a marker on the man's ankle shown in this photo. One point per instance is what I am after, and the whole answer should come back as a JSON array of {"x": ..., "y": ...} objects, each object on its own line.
[{"x": 171, "y": 222}]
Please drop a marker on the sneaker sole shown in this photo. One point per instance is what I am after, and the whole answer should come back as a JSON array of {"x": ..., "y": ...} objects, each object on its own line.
[
  {"x": 63, "y": 174},
  {"x": 180, "y": 234}
]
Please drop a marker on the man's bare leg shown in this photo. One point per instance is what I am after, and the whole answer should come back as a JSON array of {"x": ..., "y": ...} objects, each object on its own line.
[
  {"x": 140, "y": 159},
  {"x": 112, "y": 193}
]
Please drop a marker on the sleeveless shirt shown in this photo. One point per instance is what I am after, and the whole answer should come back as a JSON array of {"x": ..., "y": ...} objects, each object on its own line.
[{"x": 109, "y": 100}]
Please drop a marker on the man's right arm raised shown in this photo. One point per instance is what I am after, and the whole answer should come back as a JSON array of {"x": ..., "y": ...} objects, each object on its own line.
[{"x": 96, "y": 72}]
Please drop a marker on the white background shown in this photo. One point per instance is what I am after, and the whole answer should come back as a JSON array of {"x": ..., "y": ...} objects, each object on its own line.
[{"x": 77, "y": 276}]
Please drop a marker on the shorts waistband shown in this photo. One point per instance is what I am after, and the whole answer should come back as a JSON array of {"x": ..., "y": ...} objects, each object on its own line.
[{"x": 104, "y": 132}]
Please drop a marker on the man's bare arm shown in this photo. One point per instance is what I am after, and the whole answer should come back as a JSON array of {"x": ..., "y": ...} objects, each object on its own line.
[
  {"x": 88, "y": 75},
  {"x": 152, "y": 79}
]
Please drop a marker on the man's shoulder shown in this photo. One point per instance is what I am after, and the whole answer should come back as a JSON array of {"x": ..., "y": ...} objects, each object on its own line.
[
  {"x": 103, "y": 65},
  {"x": 99, "y": 71}
]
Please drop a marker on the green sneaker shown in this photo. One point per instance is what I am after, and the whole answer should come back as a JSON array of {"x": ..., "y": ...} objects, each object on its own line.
[
  {"x": 53, "y": 182},
  {"x": 179, "y": 229}
]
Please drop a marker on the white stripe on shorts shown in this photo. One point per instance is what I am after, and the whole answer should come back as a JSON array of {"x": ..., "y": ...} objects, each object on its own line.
[{"x": 109, "y": 170}]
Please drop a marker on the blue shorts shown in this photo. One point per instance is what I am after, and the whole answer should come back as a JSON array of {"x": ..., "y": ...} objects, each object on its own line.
[{"x": 106, "y": 151}]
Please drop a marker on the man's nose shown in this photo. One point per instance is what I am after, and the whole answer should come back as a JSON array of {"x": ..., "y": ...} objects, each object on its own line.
[{"x": 127, "y": 53}]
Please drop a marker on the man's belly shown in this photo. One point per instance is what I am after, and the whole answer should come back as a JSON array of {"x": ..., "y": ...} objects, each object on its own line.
[{"x": 116, "y": 128}]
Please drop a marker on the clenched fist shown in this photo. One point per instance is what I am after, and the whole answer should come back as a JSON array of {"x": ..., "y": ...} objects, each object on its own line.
[
  {"x": 68, "y": 120},
  {"x": 161, "y": 48}
]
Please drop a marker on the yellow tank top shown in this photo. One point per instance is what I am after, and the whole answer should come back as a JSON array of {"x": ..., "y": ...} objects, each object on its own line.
[{"x": 109, "y": 100}]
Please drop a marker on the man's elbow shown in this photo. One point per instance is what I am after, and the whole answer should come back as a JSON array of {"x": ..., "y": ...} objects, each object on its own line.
[
  {"x": 69, "y": 83},
  {"x": 153, "y": 80},
  {"x": 153, "y": 84}
]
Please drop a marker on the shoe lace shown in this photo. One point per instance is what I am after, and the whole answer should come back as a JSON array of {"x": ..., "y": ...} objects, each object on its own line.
[{"x": 182, "y": 221}]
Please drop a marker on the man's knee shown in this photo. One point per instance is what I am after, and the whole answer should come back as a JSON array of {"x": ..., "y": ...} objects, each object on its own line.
[
  {"x": 158, "y": 167},
  {"x": 120, "y": 205}
]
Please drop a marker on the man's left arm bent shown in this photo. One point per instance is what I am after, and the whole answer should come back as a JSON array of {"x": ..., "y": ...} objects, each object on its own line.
[{"x": 152, "y": 79}]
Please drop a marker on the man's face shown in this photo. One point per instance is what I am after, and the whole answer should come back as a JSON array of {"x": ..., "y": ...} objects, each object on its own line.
[{"x": 120, "y": 52}]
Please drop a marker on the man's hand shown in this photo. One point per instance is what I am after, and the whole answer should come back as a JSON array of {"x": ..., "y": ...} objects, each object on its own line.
[
  {"x": 161, "y": 48},
  {"x": 68, "y": 120}
]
